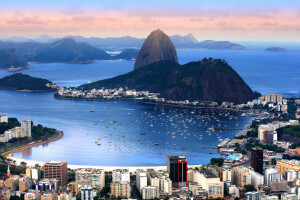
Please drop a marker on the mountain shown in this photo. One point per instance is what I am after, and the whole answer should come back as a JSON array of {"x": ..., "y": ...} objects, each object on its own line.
[
  {"x": 65, "y": 50},
  {"x": 68, "y": 50},
  {"x": 206, "y": 80},
  {"x": 224, "y": 45},
  {"x": 276, "y": 49},
  {"x": 184, "y": 41},
  {"x": 43, "y": 38},
  {"x": 117, "y": 43},
  {"x": 10, "y": 57},
  {"x": 127, "y": 54},
  {"x": 23, "y": 82},
  {"x": 156, "y": 47}
]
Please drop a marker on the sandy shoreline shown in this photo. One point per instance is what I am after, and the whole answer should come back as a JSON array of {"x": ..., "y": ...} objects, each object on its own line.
[{"x": 32, "y": 163}]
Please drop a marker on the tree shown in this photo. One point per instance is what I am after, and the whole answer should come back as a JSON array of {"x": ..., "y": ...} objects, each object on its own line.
[
  {"x": 249, "y": 188},
  {"x": 217, "y": 161},
  {"x": 105, "y": 190}
]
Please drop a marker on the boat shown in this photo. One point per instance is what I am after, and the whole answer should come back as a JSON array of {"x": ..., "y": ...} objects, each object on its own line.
[
  {"x": 93, "y": 109},
  {"x": 205, "y": 147},
  {"x": 142, "y": 133}
]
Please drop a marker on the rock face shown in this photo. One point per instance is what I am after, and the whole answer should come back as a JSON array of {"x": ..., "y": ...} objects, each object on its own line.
[{"x": 156, "y": 47}]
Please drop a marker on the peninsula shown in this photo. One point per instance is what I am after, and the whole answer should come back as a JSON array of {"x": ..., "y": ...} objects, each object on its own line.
[{"x": 26, "y": 83}]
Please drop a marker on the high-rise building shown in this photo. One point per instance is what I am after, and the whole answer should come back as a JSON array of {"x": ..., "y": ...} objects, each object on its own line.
[
  {"x": 150, "y": 192},
  {"x": 90, "y": 176},
  {"x": 26, "y": 128},
  {"x": 177, "y": 168},
  {"x": 47, "y": 184},
  {"x": 118, "y": 189},
  {"x": 24, "y": 183},
  {"x": 273, "y": 98},
  {"x": 120, "y": 175},
  {"x": 87, "y": 192},
  {"x": 209, "y": 182},
  {"x": 141, "y": 179},
  {"x": 57, "y": 170},
  {"x": 257, "y": 156},
  {"x": 13, "y": 182},
  {"x": 152, "y": 178}
]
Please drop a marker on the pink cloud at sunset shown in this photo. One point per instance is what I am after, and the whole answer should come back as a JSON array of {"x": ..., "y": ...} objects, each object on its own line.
[{"x": 236, "y": 25}]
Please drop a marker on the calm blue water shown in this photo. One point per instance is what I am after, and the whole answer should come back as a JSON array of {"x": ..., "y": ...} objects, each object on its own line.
[{"x": 168, "y": 131}]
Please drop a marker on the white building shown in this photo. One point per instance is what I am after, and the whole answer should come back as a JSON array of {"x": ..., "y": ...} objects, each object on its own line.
[
  {"x": 291, "y": 175},
  {"x": 87, "y": 192},
  {"x": 256, "y": 179},
  {"x": 165, "y": 185},
  {"x": 141, "y": 179},
  {"x": 150, "y": 192},
  {"x": 120, "y": 175},
  {"x": 267, "y": 172},
  {"x": 65, "y": 196},
  {"x": 26, "y": 128},
  {"x": 261, "y": 131},
  {"x": 3, "y": 118}
]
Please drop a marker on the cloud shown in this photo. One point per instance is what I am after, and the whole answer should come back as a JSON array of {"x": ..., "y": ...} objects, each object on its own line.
[{"x": 139, "y": 23}]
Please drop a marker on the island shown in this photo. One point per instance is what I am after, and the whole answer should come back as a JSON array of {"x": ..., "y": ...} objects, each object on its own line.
[
  {"x": 276, "y": 49},
  {"x": 12, "y": 61},
  {"x": 26, "y": 83}
]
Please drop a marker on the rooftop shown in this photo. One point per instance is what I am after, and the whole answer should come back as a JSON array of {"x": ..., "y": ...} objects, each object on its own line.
[{"x": 208, "y": 174}]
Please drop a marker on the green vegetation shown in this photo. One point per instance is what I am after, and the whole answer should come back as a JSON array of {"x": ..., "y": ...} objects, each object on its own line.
[
  {"x": 104, "y": 192},
  {"x": 271, "y": 147},
  {"x": 67, "y": 50},
  {"x": 295, "y": 145},
  {"x": 17, "y": 197},
  {"x": 249, "y": 188},
  {"x": 289, "y": 130},
  {"x": 39, "y": 132},
  {"x": 217, "y": 161},
  {"x": 10, "y": 57},
  {"x": 12, "y": 123},
  {"x": 209, "y": 79},
  {"x": 25, "y": 82},
  {"x": 13, "y": 169}
]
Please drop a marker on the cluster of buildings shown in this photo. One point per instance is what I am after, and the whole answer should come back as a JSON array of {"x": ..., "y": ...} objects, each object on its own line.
[
  {"x": 273, "y": 101},
  {"x": 107, "y": 94},
  {"x": 267, "y": 132},
  {"x": 16, "y": 132}
]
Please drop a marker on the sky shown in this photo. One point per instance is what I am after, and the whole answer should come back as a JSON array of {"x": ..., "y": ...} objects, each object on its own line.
[{"x": 233, "y": 20}]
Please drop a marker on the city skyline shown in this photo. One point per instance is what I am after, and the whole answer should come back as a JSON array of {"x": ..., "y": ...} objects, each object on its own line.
[{"x": 218, "y": 20}]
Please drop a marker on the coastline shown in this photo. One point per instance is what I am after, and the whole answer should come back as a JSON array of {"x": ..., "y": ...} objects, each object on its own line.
[
  {"x": 195, "y": 107},
  {"x": 91, "y": 99},
  {"x": 29, "y": 91},
  {"x": 32, "y": 163},
  {"x": 9, "y": 152}
]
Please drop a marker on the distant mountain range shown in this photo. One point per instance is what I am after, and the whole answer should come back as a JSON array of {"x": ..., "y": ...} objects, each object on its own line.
[
  {"x": 188, "y": 41},
  {"x": 65, "y": 50},
  {"x": 10, "y": 58}
]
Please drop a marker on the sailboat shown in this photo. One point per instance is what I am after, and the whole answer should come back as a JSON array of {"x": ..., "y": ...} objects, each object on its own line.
[{"x": 93, "y": 109}]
